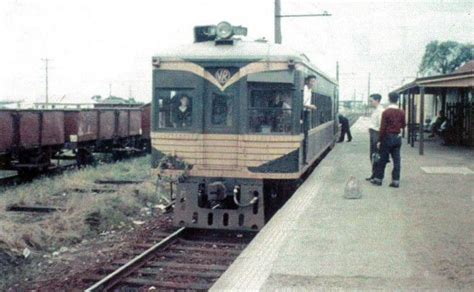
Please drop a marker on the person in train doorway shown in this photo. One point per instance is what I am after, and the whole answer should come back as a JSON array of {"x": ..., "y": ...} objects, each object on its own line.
[
  {"x": 390, "y": 141},
  {"x": 374, "y": 128},
  {"x": 345, "y": 129},
  {"x": 309, "y": 85}
]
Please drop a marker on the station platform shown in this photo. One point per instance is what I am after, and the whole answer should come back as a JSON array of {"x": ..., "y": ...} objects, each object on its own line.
[{"x": 419, "y": 236}]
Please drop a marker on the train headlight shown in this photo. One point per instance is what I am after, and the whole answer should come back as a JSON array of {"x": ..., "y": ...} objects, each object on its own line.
[{"x": 224, "y": 30}]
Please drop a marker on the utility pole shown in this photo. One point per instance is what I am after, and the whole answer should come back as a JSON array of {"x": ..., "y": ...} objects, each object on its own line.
[
  {"x": 130, "y": 91},
  {"x": 278, "y": 16},
  {"x": 277, "y": 22},
  {"x": 337, "y": 71},
  {"x": 46, "y": 62},
  {"x": 110, "y": 89}
]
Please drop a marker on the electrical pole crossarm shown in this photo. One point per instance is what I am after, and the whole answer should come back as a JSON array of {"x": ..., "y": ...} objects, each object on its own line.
[
  {"x": 278, "y": 16},
  {"x": 303, "y": 15}
]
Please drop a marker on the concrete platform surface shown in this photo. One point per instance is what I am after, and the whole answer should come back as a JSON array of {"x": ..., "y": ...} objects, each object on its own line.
[{"x": 419, "y": 236}]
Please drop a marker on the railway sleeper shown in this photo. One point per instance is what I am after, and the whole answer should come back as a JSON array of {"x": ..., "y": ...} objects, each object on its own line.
[
  {"x": 179, "y": 272},
  {"x": 134, "y": 282},
  {"x": 215, "y": 250},
  {"x": 240, "y": 246},
  {"x": 175, "y": 255},
  {"x": 161, "y": 285},
  {"x": 172, "y": 265}
]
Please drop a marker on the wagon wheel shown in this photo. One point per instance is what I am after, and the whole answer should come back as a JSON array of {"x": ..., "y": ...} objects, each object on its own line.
[{"x": 84, "y": 157}]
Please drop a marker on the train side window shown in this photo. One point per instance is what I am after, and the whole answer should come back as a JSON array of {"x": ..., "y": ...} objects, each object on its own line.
[
  {"x": 221, "y": 110},
  {"x": 175, "y": 109},
  {"x": 324, "y": 110},
  {"x": 270, "y": 111}
]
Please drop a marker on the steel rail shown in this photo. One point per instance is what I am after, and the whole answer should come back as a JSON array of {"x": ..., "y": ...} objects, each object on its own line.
[{"x": 113, "y": 278}]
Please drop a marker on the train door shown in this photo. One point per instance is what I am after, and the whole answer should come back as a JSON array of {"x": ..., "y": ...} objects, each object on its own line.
[{"x": 220, "y": 125}]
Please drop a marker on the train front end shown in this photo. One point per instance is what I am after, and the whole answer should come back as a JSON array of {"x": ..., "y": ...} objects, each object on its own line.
[{"x": 226, "y": 127}]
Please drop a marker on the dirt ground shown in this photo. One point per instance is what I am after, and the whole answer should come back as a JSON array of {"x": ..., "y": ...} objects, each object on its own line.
[
  {"x": 65, "y": 271},
  {"x": 95, "y": 223}
]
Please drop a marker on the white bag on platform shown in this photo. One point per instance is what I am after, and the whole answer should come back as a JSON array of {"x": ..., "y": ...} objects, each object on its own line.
[{"x": 352, "y": 189}]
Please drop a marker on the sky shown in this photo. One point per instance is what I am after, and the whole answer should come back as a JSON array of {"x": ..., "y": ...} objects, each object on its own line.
[{"x": 96, "y": 46}]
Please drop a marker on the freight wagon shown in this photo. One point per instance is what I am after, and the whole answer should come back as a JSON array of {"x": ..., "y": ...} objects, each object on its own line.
[{"x": 30, "y": 139}]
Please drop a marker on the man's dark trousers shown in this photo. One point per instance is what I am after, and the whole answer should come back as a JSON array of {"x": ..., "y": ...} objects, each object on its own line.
[
  {"x": 345, "y": 129},
  {"x": 391, "y": 145},
  {"x": 374, "y": 138}
]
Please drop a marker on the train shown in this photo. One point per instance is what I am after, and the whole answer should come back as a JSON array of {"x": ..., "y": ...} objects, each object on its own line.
[
  {"x": 32, "y": 138},
  {"x": 229, "y": 127}
]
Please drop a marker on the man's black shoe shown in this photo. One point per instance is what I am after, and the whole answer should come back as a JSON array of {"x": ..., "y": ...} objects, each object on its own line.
[
  {"x": 339, "y": 141},
  {"x": 369, "y": 178},
  {"x": 349, "y": 140},
  {"x": 394, "y": 185},
  {"x": 376, "y": 182}
]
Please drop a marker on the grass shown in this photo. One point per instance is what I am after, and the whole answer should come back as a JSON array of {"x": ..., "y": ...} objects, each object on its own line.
[{"x": 85, "y": 214}]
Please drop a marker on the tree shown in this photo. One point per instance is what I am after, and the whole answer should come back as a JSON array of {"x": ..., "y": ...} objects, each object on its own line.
[
  {"x": 445, "y": 57},
  {"x": 96, "y": 98}
]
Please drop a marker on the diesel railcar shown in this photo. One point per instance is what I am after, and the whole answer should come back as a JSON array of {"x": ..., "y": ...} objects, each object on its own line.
[{"x": 229, "y": 126}]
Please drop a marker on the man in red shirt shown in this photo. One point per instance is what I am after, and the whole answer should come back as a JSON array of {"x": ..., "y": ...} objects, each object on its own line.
[{"x": 390, "y": 141}]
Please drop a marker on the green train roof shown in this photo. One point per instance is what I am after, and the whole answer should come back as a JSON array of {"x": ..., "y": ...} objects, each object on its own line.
[{"x": 239, "y": 50}]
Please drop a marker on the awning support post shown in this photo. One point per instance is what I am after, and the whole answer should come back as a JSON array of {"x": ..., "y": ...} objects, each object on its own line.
[{"x": 422, "y": 119}]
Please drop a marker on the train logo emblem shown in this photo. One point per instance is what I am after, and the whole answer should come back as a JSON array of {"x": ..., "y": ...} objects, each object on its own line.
[{"x": 222, "y": 75}]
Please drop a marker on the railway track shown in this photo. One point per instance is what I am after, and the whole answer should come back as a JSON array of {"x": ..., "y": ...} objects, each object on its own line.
[
  {"x": 17, "y": 179},
  {"x": 182, "y": 259}
]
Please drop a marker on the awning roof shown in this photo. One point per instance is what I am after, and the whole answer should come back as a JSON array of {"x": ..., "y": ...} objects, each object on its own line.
[{"x": 463, "y": 78}]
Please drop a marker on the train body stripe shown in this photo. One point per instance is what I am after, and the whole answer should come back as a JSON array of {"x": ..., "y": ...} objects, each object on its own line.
[{"x": 255, "y": 67}]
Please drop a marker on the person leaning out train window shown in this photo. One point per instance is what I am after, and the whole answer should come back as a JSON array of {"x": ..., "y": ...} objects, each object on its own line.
[
  {"x": 309, "y": 85},
  {"x": 183, "y": 113}
]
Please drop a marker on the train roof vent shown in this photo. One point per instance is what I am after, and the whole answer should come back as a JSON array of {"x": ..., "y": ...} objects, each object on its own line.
[{"x": 221, "y": 33}]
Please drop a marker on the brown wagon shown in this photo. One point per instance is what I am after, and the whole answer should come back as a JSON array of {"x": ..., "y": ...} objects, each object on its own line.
[{"x": 30, "y": 138}]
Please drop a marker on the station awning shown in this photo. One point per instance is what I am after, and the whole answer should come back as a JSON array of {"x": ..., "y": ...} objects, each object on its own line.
[{"x": 463, "y": 78}]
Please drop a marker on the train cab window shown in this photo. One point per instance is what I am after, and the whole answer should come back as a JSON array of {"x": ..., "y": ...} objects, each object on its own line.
[
  {"x": 175, "y": 109},
  {"x": 221, "y": 110},
  {"x": 270, "y": 111}
]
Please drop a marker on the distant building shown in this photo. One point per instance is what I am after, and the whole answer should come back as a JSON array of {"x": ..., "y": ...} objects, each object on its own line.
[{"x": 115, "y": 101}]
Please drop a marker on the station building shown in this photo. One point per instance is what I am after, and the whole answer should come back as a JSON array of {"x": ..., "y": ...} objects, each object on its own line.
[{"x": 423, "y": 98}]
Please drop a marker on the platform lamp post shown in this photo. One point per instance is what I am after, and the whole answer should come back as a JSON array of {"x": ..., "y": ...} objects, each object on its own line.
[{"x": 278, "y": 16}]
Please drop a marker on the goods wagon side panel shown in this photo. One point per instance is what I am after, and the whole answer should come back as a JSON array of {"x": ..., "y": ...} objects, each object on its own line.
[
  {"x": 123, "y": 120},
  {"x": 107, "y": 124},
  {"x": 6, "y": 131},
  {"x": 135, "y": 122},
  {"x": 146, "y": 121},
  {"x": 29, "y": 129},
  {"x": 87, "y": 129},
  {"x": 53, "y": 128},
  {"x": 71, "y": 125}
]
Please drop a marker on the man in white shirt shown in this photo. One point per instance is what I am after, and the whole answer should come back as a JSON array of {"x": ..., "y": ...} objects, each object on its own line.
[
  {"x": 309, "y": 84},
  {"x": 374, "y": 127}
]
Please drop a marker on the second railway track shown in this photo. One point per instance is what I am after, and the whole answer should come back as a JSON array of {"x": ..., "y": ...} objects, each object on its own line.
[{"x": 182, "y": 259}]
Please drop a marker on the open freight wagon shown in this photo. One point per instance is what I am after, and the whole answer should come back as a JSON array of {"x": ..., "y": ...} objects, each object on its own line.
[{"x": 30, "y": 139}]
